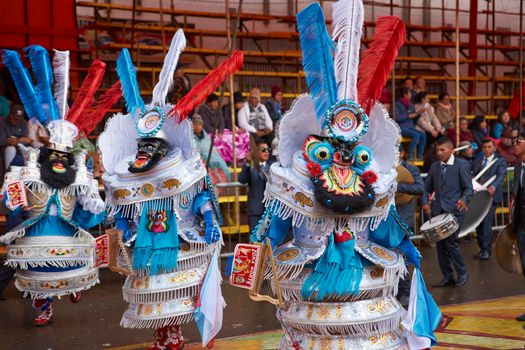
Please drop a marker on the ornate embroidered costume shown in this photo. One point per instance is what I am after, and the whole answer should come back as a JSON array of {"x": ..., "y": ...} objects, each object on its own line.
[
  {"x": 52, "y": 250},
  {"x": 338, "y": 241},
  {"x": 164, "y": 203}
]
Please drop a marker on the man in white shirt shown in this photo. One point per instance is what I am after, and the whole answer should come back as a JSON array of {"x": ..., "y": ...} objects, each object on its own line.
[
  {"x": 254, "y": 117},
  {"x": 498, "y": 169}
]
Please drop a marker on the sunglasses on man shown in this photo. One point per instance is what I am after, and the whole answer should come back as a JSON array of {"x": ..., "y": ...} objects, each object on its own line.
[
  {"x": 263, "y": 149},
  {"x": 516, "y": 140}
]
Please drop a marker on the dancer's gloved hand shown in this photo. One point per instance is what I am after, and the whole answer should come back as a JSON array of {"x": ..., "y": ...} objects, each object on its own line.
[
  {"x": 213, "y": 233},
  {"x": 93, "y": 205},
  {"x": 412, "y": 254}
]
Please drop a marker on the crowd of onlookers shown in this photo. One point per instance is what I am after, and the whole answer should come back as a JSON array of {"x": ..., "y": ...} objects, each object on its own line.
[{"x": 423, "y": 122}]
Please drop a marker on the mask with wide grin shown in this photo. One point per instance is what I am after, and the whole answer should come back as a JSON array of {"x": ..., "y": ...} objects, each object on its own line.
[
  {"x": 337, "y": 169},
  {"x": 150, "y": 151}
]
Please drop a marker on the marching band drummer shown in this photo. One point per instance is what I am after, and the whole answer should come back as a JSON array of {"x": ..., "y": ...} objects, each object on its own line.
[
  {"x": 518, "y": 212},
  {"x": 448, "y": 189},
  {"x": 499, "y": 168}
]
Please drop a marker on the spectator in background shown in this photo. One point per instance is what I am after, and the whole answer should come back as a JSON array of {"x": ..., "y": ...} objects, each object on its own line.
[
  {"x": 255, "y": 174},
  {"x": 212, "y": 115},
  {"x": 419, "y": 84},
  {"x": 254, "y": 118},
  {"x": 467, "y": 151},
  {"x": 238, "y": 102},
  {"x": 498, "y": 169},
  {"x": 38, "y": 133},
  {"x": 428, "y": 121},
  {"x": 504, "y": 148},
  {"x": 409, "y": 84},
  {"x": 479, "y": 130},
  {"x": 406, "y": 117},
  {"x": 4, "y": 102},
  {"x": 13, "y": 132},
  {"x": 445, "y": 111},
  {"x": 218, "y": 169},
  {"x": 181, "y": 85},
  {"x": 504, "y": 124},
  {"x": 464, "y": 132},
  {"x": 274, "y": 105},
  {"x": 82, "y": 143}
]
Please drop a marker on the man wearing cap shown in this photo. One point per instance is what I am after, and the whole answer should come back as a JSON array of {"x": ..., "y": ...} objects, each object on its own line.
[
  {"x": 13, "y": 131},
  {"x": 211, "y": 115},
  {"x": 254, "y": 117}
]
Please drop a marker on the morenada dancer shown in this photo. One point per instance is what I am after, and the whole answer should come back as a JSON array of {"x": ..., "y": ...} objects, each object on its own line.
[
  {"x": 330, "y": 216},
  {"x": 164, "y": 203},
  {"x": 51, "y": 250}
]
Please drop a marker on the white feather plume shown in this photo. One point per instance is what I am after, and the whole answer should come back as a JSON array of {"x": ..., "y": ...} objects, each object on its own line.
[
  {"x": 61, "y": 66},
  {"x": 117, "y": 141},
  {"x": 348, "y": 17},
  {"x": 178, "y": 43}
]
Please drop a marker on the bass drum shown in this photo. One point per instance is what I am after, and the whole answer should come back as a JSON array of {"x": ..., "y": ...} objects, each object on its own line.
[{"x": 478, "y": 208}]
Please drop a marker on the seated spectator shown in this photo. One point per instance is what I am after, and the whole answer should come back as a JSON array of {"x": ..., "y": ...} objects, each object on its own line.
[
  {"x": 467, "y": 151},
  {"x": 238, "y": 102},
  {"x": 409, "y": 84},
  {"x": 464, "y": 132},
  {"x": 406, "y": 116},
  {"x": 504, "y": 148},
  {"x": 218, "y": 170},
  {"x": 254, "y": 118},
  {"x": 13, "y": 132},
  {"x": 445, "y": 111},
  {"x": 428, "y": 121},
  {"x": 504, "y": 124},
  {"x": 212, "y": 115},
  {"x": 419, "y": 85},
  {"x": 274, "y": 104},
  {"x": 38, "y": 133},
  {"x": 255, "y": 174},
  {"x": 181, "y": 85},
  {"x": 81, "y": 144},
  {"x": 479, "y": 130}
]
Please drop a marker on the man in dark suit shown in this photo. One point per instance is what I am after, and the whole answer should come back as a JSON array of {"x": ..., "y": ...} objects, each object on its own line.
[
  {"x": 518, "y": 211},
  {"x": 255, "y": 174},
  {"x": 448, "y": 189},
  {"x": 498, "y": 169}
]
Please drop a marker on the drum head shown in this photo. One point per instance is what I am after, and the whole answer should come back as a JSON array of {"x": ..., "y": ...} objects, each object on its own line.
[
  {"x": 478, "y": 208},
  {"x": 434, "y": 222}
]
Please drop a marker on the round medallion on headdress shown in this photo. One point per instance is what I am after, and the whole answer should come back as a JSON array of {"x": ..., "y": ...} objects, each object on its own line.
[
  {"x": 150, "y": 122},
  {"x": 347, "y": 121}
]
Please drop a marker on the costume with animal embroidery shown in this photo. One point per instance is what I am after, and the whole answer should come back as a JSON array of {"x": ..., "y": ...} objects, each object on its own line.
[
  {"x": 164, "y": 203},
  {"x": 51, "y": 250}
]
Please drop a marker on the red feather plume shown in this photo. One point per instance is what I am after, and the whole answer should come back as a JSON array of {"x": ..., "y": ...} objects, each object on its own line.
[
  {"x": 94, "y": 114},
  {"x": 378, "y": 59},
  {"x": 86, "y": 94},
  {"x": 207, "y": 85}
]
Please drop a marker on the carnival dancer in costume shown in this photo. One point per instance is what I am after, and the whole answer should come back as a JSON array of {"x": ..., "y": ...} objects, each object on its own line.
[
  {"x": 333, "y": 190},
  {"x": 164, "y": 203},
  {"x": 52, "y": 251}
]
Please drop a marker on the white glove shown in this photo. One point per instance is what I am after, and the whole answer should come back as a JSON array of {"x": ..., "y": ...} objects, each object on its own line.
[{"x": 93, "y": 205}]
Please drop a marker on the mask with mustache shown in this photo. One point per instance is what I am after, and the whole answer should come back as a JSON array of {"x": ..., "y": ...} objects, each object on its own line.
[
  {"x": 57, "y": 168},
  {"x": 150, "y": 151}
]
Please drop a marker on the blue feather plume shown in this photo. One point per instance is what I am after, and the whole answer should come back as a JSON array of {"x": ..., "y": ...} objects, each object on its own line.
[
  {"x": 41, "y": 66},
  {"x": 128, "y": 79},
  {"x": 318, "y": 58},
  {"x": 24, "y": 86}
]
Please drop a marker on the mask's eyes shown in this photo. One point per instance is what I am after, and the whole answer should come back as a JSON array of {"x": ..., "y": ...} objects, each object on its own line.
[
  {"x": 363, "y": 156},
  {"x": 323, "y": 152}
]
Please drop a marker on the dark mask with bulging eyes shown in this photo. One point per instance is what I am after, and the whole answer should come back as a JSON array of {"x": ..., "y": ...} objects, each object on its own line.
[
  {"x": 150, "y": 151},
  {"x": 338, "y": 170}
]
